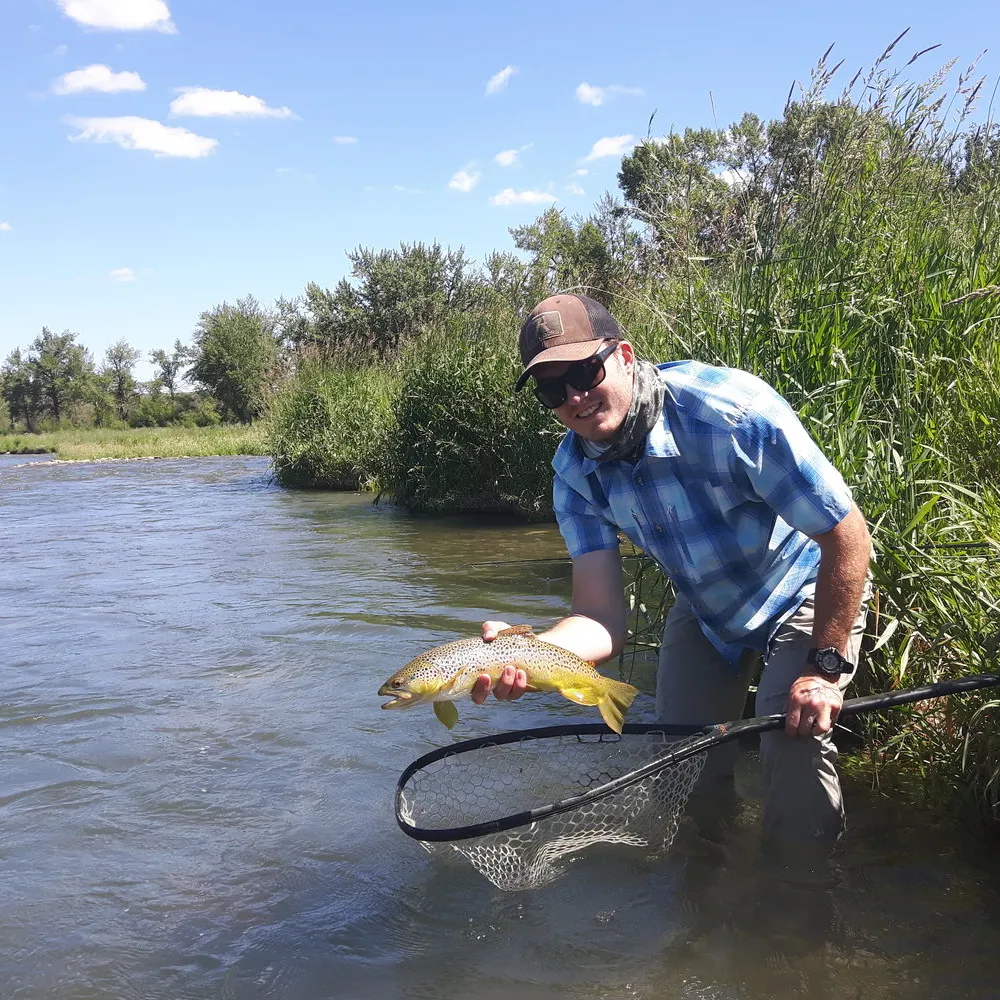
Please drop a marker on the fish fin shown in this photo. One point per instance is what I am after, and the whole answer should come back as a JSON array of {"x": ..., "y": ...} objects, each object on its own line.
[
  {"x": 517, "y": 630},
  {"x": 581, "y": 695},
  {"x": 446, "y": 712},
  {"x": 616, "y": 702}
]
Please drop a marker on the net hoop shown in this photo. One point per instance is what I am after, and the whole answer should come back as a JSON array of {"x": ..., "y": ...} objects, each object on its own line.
[{"x": 596, "y": 731}]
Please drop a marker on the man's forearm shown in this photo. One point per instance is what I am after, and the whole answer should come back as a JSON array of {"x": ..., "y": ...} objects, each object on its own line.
[
  {"x": 844, "y": 562},
  {"x": 589, "y": 638}
]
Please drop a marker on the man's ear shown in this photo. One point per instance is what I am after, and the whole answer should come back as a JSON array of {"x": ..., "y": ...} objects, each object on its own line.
[{"x": 628, "y": 355}]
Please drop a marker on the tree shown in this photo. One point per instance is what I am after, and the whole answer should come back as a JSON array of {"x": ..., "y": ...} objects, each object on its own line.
[
  {"x": 391, "y": 296},
  {"x": 61, "y": 368},
  {"x": 598, "y": 255},
  {"x": 168, "y": 366},
  {"x": 119, "y": 360},
  {"x": 237, "y": 352},
  {"x": 20, "y": 390}
]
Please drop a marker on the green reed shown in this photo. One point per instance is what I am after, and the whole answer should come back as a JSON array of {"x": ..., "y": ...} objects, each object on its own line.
[
  {"x": 871, "y": 302},
  {"x": 464, "y": 440},
  {"x": 329, "y": 427}
]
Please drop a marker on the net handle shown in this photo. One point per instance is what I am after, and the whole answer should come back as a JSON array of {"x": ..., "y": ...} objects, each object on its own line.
[{"x": 704, "y": 739}]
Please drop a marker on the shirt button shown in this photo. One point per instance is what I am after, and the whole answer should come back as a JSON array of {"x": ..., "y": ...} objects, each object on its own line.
[
  {"x": 659, "y": 529},
  {"x": 638, "y": 479}
]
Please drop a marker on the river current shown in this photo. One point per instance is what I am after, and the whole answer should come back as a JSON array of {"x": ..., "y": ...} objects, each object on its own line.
[{"x": 197, "y": 780}]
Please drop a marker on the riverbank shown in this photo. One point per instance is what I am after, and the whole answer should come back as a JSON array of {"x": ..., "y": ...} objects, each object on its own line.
[{"x": 89, "y": 444}]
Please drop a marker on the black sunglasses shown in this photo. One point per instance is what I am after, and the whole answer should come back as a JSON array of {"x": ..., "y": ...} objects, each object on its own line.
[{"x": 582, "y": 375}]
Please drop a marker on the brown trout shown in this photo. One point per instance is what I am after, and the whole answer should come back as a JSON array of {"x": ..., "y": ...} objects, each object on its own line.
[{"x": 447, "y": 673}]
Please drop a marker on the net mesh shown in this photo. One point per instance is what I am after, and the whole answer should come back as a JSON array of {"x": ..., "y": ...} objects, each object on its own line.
[{"x": 498, "y": 780}]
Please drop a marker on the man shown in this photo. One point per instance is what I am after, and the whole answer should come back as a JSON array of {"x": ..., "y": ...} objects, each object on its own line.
[{"x": 710, "y": 472}]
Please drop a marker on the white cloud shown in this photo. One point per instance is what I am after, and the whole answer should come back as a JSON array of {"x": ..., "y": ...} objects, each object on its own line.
[
  {"x": 131, "y": 132},
  {"x": 120, "y": 15},
  {"x": 614, "y": 145},
  {"x": 508, "y": 157},
  {"x": 581, "y": 172},
  {"x": 499, "y": 81},
  {"x": 575, "y": 189},
  {"x": 465, "y": 180},
  {"x": 59, "y": 51},
  {"x": 122, "y": 274},
  {"x": 97, "y": 77},
  {"x": 403, "y": 189},
  {"x": 201, "y": 102},
  {"x": 345, "y": 140},
  {"x": 731, "y": 177},
  {"x": 5, "y": 227},
  {"x": 508, "y": 196},
  {"x": 586, "y": 94}
]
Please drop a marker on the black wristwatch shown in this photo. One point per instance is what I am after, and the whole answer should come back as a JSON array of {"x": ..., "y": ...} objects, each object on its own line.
[{"x": 829, "y": 663}]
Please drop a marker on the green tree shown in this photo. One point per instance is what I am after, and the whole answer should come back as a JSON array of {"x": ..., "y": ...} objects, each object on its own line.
[
  {"x": 119, "y": 361},
  {"x": 169, "y": 366},
  {"x": 61, "y": 368},
  {"x": 20, "y": 390},
  {"x": 391, "y": 297},
  {"x": 237, "y": 353}
]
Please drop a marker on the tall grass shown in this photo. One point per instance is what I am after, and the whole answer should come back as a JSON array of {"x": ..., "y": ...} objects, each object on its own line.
[
  {"x": 464, "y": 440},
  {"x": 871, "y": 302},
  {"x": 331, "y": 426}
]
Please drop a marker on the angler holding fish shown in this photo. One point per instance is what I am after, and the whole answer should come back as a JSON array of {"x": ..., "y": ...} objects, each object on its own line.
[{"x": 709, "y": 471}]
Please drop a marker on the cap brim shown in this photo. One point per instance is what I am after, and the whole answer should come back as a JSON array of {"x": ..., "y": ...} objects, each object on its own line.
[{"x": 564, "y": 352}]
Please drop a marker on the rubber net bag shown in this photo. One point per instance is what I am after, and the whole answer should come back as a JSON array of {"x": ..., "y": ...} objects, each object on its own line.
[{"x": 498, "y": 780}]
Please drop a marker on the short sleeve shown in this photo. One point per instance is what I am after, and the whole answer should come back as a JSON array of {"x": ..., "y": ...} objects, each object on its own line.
[
  {"x": 781, "y": 465},
  {"x": 581, "y": 521}
]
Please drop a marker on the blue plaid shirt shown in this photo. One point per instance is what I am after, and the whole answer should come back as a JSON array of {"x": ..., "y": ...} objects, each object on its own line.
[{"x": 729, "y": 490}]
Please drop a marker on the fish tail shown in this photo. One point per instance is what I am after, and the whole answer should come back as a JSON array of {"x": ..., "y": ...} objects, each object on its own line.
[{"x": 615, "y": 703}]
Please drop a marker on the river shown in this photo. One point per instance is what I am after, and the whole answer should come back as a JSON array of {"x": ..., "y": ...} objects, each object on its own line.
[{"x": 197, "y": 780}]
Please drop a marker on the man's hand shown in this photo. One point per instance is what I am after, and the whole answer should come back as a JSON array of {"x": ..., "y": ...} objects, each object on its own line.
[
  {"x": 813, "y": 706},
  {"x": 512, "y": 682}
]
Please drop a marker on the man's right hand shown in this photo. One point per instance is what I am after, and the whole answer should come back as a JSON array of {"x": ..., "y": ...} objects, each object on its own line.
[{"x": 510, "y": 685}]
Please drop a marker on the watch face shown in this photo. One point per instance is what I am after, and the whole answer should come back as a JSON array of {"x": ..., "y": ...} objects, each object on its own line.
[{"x": 829, "y": 662}]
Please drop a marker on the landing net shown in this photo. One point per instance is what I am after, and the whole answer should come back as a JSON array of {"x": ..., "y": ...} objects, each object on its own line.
[{"x": 530, "y": 781}]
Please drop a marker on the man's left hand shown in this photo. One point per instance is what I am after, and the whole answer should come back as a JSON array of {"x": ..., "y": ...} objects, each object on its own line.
[{"x": 813, "y": 706}]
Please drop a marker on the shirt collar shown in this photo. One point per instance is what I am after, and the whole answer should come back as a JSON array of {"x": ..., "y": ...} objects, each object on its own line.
[{"x": 660, "y": 443}]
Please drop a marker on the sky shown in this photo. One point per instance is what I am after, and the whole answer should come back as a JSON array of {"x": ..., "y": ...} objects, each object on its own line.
[{"x": 159, "y": 157}]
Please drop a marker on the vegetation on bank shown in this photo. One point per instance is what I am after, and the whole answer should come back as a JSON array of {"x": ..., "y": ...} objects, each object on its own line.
[{"x": 87, "y": 444}]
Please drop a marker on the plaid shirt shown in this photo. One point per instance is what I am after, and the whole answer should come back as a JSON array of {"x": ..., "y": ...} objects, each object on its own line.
[{"x": 729, "y": 490}]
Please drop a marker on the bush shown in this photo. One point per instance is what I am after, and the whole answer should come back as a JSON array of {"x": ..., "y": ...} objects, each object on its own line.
[
  {"x": 465, "y": 440},
  {"x": 330, "y": 426}
]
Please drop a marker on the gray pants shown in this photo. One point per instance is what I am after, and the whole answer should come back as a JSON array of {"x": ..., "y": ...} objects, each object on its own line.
[{"x": 695, "y": 685}]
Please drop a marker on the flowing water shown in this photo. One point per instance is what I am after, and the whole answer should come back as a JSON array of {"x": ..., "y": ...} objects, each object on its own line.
[{"x": 197, "y": 780}]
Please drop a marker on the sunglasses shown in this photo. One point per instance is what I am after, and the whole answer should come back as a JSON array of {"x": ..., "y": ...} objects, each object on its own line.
[{"x": 582, "y": 375}]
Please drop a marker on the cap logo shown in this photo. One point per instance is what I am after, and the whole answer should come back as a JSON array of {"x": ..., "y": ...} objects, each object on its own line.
[{"x": 548, "y": 325}]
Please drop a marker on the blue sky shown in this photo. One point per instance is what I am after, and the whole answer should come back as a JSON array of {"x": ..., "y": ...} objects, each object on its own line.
[{"x": 161, "y": 156}]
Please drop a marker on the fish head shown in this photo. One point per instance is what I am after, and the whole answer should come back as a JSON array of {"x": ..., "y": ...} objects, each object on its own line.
[{"x": 420, "y": 681}]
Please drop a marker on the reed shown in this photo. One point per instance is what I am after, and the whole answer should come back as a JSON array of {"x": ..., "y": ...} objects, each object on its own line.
[
  {"x": 330, "y": 426},
  {"x": 464, "y": 440},
  {"x": 865, "y": 286}
]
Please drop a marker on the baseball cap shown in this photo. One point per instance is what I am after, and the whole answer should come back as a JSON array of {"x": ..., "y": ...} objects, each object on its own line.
[{"x": 563, "y": 328}]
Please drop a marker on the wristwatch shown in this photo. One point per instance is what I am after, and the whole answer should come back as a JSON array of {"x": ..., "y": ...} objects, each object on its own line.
[{"x": 829, "y": 663}]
